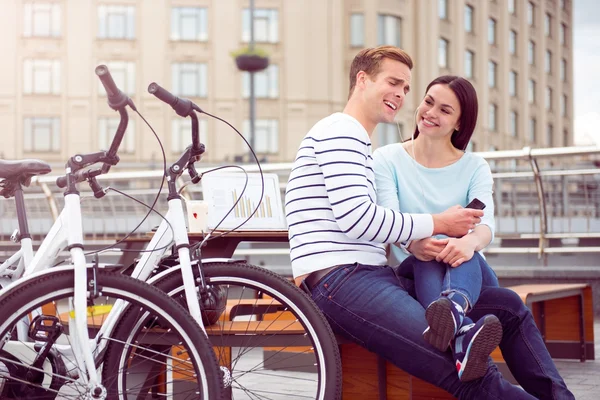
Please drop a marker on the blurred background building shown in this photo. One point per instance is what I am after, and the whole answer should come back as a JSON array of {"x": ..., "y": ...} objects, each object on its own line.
[{"x": 517, "y": 53}]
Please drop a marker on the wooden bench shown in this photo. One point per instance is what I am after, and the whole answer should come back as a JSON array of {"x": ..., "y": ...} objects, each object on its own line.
[{"x": 563, "y": 313}]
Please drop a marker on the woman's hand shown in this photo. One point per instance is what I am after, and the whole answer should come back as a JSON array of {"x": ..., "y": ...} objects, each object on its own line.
[
  {"x": 457, "y": 251},
  {"x": 427, "y": 249}
]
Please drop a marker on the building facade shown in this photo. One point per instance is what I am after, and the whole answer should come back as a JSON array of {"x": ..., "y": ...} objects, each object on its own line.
[{"x": 517, "y": 53}]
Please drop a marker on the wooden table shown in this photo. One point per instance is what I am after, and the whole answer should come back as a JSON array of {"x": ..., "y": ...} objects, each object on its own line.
[{"x": 219, "y": 247}]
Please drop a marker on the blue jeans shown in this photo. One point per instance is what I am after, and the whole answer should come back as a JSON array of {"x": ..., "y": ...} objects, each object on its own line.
[
  {"x": 375, "y": 308},
  {"x": 432, "y": 279}
]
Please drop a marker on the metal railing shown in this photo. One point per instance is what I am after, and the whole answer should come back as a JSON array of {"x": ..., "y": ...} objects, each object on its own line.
[{"x": 547, "y": 201}]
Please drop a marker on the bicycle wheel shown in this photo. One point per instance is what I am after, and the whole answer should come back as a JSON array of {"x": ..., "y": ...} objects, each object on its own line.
[
  {"x": 269, "y": 335},
  {"x": 163, "y": 353}
]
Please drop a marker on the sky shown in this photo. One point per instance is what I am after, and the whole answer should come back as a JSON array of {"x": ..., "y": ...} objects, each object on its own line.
[{"x": 586, "y": 71}]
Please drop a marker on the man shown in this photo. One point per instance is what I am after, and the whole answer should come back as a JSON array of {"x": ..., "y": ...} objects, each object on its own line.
[{"x": 337, "y": 236}]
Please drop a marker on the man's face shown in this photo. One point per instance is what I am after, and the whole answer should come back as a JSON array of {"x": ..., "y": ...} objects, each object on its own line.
[{"x": 384, "y": 93}]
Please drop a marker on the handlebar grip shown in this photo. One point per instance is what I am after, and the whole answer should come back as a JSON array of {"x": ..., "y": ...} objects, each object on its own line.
[
  {"x": 61, "y": 181},
  {"x": 183, "y": 107},
  {"x": 107, "y": 81},
  {"x": 79, "y": 176},
  {"x": 162, "y": 94}
]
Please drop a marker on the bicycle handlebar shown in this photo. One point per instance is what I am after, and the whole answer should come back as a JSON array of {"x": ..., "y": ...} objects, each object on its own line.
[
  {"x": 79, "y": 176},
  {"x": 183, "y": 107},
  {"x": 116, "y": 98}
]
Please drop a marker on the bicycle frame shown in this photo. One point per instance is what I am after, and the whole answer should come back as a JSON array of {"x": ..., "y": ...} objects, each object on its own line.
[{"x": 67, "y": 232}]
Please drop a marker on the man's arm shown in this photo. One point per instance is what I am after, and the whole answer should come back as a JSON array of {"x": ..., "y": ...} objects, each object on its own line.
[{"x": 342, "y": 155}]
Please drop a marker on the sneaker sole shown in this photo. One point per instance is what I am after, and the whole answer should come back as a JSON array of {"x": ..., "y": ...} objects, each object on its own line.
[
  {"x": 441, "y": 324},
  {"x": 487, "y": 339}
]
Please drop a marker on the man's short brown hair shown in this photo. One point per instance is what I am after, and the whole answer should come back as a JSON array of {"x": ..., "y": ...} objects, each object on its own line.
[{"x": 369, "y": 60}]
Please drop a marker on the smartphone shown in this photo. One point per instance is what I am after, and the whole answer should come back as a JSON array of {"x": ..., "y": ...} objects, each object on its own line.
[{"x": 476, "y": 204}]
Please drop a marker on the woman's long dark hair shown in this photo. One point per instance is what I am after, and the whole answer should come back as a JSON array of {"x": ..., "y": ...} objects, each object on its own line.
[{"x": 467, "y": 97}]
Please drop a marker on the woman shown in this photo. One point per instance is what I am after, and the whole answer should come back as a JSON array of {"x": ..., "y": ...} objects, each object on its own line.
[{"x": 428, "y": 174}]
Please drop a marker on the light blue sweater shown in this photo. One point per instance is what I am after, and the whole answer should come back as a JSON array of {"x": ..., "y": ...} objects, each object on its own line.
[{"x": 404, "y": 185}]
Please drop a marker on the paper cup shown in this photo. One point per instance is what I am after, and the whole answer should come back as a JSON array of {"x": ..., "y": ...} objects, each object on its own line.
[{"x": 197, "y": 211}]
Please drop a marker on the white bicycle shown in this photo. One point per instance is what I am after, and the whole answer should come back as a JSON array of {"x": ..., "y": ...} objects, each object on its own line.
[{"x": 82, "y": 331}]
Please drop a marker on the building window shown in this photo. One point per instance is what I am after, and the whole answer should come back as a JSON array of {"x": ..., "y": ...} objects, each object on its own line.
[
  {"x": 389, "y": 30},
  {"x": 181, "y": 133},
  {"x": 468, "y": 19},
  {"x": 563, "y": 105},
  {"x": 189, "y": 79},
  {"x": 189, "y": 24},
  {"x": 531, "y": 91},
  {"x": 443, "y": 53},
  {"x": 512, "y": 83},
  {"x": 123, "y": 73},
  {"x": 266, "y": 83},
  {"x": 548, "y": 62},
  {"x": 550, "y": 135},
  {"x": 491, "y": 31},
  {"x": 469, "y": 61},
  {"x": 443, "y": 9},
  {"x": 548, "y": 25},
  {"x": 511, "y": 7},
  {"x": 512, "y": 42},
  {"x": 530, "y": 13},
  {"x": 41, "y": 77},
  {"x": 357, "y": 30},
  {"x": 512, "y": 123},
  {"x": 116, "y": 22},
  {"x": 41, "y": 20},
  {"x": 107, "y": 127},
  {"x": 531, "y": 53},
  {"x": 266, "y": 140},
  {"x": 388, "y": 134},
  {"x": 548, "y": 98},
  {"x": 492, "y": 117},
  {"x": 532, "y": 127},
  {"x": 565, "y": 138},
  {"x": 492, "y": 67},
  {"x": 41, "y": 134},
  {"x": 563, "y": 70},
  {"x": 266, "y": 25},
  {"x": 563, "y": 34}
]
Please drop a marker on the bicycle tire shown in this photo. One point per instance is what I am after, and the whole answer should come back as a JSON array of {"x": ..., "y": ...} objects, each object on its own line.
[
  {"x": 290, "y": 299},
  {"x": 153, "y": 307}
]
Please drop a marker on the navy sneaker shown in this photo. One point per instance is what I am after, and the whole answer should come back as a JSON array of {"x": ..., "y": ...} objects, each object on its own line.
[
  {"x": 444, "y": 317},
  {"x": 473, "y": 345}
]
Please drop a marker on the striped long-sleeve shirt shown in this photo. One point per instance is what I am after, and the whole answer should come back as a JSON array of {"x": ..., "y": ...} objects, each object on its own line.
[{"x": 330, "y": 201}]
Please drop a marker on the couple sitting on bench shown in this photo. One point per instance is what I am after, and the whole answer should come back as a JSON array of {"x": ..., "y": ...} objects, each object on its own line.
[{"x": 440, "y": 314}]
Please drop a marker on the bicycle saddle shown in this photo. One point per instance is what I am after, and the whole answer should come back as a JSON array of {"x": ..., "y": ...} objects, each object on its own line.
[
  {"x": 23, "y": 168},
  {"x": 19, "y": 172}
]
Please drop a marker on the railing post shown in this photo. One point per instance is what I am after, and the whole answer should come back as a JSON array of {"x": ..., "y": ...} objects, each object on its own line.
[
  {"x": 51, "y": 200},
  {"x": 542, "y": 202}
]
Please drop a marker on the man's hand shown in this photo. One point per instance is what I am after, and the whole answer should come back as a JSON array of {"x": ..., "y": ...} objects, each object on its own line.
[
  {"x": 427, "y": 249},
  {"x": 457, "y": 251},
  {"x": 456, "y": 221}
]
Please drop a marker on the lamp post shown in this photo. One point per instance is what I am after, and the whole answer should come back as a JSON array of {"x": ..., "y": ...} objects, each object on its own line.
[{"x": 252, "y": 98}]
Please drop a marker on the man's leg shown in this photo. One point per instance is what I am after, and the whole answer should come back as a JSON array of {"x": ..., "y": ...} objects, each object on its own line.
[
  {"x": 522, "y": 346},
  {"x": 368, "y": 305}
]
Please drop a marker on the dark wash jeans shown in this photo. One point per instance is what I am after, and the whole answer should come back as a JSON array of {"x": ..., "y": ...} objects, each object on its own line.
[
  {"x": 432, "y": 278},
  {"x": 375, "y": 308}
]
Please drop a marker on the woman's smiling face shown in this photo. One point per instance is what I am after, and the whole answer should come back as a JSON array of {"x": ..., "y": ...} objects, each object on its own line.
[{"x": 439, "y": 112}]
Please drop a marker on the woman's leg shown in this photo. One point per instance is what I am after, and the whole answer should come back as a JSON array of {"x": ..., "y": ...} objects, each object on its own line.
[
  {"x": 522, "y": 345},
  {"x": 369, "y": 305}
]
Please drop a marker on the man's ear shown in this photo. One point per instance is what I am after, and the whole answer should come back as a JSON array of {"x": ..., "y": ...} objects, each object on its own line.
[{"x": 361, "y": 78}]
